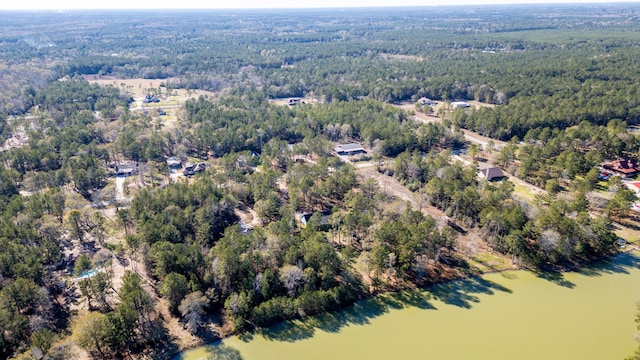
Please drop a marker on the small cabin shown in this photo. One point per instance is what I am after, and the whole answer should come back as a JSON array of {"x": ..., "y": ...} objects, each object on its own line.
[{"x": 625, "y": 168}]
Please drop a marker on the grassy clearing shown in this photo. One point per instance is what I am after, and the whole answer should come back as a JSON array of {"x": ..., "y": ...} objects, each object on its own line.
[
  {"x": 169, "y": 101},
  {"x": 488, "y": 262},
  {"x": 627, "y": 233},
  {"x": 169, "y": 122},
  {"x": 138, "y": 88},
  {"x": 524, "y": 193}
]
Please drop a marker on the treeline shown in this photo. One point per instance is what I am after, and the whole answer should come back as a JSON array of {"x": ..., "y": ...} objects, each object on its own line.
[{"x": 63, "y": 99}]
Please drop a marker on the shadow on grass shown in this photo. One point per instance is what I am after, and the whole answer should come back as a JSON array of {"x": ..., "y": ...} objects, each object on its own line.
[
  {"x": 215, "y": 351},
  {"x": 509, "y": 275}
]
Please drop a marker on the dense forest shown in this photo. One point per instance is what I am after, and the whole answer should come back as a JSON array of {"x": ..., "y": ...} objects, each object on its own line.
[{"x": 106, "y": 246}]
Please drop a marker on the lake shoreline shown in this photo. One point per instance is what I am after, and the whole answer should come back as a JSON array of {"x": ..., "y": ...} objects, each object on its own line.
[{"x": 547, "y": 273}]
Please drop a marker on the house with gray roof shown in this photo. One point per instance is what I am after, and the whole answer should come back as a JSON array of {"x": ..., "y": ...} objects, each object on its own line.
[
  {"x": 349, "y": 149},
  {"x": 491, "y": 173}
]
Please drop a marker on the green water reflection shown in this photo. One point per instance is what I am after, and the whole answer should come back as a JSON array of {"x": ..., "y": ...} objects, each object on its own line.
[{"x": 512, "y": 315}]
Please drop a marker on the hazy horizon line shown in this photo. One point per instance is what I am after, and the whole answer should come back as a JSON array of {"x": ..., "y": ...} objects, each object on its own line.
[{"x": 342, "y": 7}]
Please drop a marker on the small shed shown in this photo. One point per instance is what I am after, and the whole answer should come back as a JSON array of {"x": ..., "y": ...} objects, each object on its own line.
[
  {"x": 324, "y": 219},
  {"x": 125, "y": 170},
  {"x": 296, "y": 101},
  {"x": 193, "y": 169}
]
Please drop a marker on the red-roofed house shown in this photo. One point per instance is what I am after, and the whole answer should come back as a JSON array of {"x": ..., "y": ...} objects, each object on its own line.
[
  {"x": 634, "y": 186},
  {"x": 625, "y": 167}
]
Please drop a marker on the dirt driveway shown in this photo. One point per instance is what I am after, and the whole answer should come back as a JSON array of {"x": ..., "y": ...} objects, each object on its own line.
[{"x": 393, "y": 187}]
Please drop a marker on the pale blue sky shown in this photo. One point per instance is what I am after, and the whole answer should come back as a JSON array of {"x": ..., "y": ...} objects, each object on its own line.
[{"x": 220, "y": 4}]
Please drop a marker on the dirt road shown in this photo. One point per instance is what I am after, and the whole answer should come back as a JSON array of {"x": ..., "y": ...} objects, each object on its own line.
[
  {"x": 393, "y": 187},
  {"x": 120, "y": 188}
]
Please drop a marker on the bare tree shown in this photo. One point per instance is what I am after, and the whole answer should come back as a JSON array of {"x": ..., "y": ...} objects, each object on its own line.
[
  {"x": 549, "y": 240},
  {"x": 291, "y": 278},
  {"x": 192, "y": 308}
]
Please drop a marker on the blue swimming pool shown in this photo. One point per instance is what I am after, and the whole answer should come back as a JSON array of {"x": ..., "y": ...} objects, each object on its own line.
[{"x": 87, "y": 274}]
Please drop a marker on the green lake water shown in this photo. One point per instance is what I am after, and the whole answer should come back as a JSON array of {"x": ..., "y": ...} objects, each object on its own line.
[{"x": 510, "y": 315}]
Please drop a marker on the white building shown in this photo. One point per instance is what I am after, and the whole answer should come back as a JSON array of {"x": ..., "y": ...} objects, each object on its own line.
[{"x": 460, "y": 104}]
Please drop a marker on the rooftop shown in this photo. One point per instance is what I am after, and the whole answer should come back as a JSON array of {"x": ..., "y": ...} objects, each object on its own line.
[
  {"x": 492, "y": 172},
  {"x": 635, "y": 184},
  {"x": 463, "y": 104},
  {"x": 349, "y": 147},
  {"x": 624, "y": 166},
  {"x": 173, "y": 160}
]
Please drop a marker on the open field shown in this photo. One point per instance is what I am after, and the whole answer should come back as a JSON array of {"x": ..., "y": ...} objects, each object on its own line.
[
  {"x": 139, "y": 88},
  {"x": 170, "y": 103}
]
